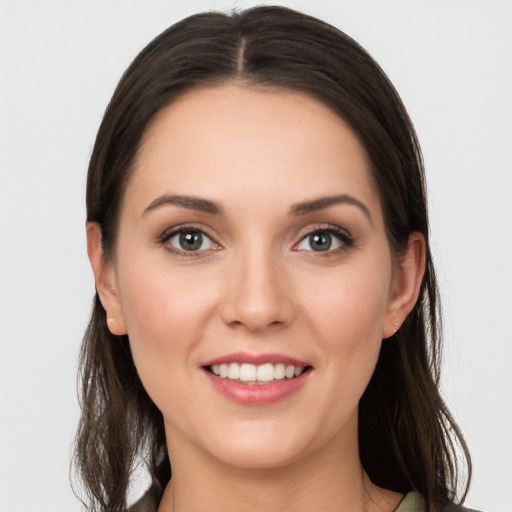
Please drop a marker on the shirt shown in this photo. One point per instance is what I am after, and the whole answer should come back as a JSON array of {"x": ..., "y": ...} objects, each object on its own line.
[{"x": 411, "y": 502}]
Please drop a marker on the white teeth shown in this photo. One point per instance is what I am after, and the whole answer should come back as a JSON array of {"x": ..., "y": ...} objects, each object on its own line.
[
  {"x": 223, "y": 370},
  {"x": 247, "y": 372},
  {"x": 252, "y": 373},
  {"x": 266, "y": 372},
  {"x": 234, "y": 371},
  {"x": 279, "y": 371}
]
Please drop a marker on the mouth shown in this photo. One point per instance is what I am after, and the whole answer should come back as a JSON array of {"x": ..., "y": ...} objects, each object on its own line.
[
  {"x": 257, "y": 379},
  {"x": 252, "y": 374}
]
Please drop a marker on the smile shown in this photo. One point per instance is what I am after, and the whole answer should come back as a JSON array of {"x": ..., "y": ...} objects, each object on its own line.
[
  {"x": 257, "y": 379},
  {"x": 256, "y": 374}
]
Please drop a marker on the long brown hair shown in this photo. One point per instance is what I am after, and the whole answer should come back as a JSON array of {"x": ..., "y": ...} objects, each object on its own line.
[{"x": 408, "y": 439}]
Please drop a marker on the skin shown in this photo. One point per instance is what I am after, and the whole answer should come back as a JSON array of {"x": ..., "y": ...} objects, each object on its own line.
[{"x": 256, "y": 286}]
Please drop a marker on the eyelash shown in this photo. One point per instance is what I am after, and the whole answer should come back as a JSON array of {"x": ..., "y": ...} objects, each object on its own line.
[
  {"x": 187, "y": 228},
  {"x": 345, "y": 239}
]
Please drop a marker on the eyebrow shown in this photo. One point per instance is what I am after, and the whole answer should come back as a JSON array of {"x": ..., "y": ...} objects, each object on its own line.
[
  {"x": 188, "y": 202},
  {"x": 325, "y": 202},
  {"x": 208, "y": 206}
]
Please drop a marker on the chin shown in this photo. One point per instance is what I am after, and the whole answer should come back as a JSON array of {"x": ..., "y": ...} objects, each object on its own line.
[
  {"x": 261, "y": 448},
  {"x": 258, "y": 458}
]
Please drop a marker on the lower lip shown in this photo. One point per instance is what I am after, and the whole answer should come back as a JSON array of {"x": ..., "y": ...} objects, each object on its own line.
[{"x": 257, "y": 394}]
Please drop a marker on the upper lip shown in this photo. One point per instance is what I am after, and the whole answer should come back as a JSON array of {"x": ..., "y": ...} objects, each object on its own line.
[{"x": 256, "y": 359}]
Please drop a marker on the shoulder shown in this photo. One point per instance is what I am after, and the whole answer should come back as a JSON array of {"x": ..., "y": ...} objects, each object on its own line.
[
  {"x": 147, "y": 503},
  {"x": 413, "y": 502}
]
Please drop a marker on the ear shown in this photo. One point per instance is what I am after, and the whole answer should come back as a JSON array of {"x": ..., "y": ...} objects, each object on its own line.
[
  {"x": 405, "y": 287},
  {"x": 106, "y": 282}
]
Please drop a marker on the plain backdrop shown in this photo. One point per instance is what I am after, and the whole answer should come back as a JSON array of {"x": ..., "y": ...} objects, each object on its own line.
[{"x": 59, "y": 63}]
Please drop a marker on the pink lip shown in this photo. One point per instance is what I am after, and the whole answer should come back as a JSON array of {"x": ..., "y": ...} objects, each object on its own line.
[
  {"x": 257, "y": 394},
  {"x": 256, "y": 359}
]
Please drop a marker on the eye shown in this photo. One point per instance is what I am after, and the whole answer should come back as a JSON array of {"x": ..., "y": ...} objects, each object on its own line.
[
  {"x": 188, "y": 240},
  {"x": 324, "y": 240}
]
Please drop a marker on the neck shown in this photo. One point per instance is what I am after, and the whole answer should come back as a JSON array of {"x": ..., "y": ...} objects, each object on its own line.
[{"x": 333, "y": 480}]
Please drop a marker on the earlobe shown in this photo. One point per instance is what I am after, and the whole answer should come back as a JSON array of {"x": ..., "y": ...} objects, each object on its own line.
[
  {"x": 105, "y": 279},
  {"x": 407, "y": 277}
]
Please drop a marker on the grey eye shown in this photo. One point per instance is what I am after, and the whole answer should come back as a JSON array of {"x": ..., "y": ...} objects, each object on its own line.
[
  {"x": 321, "y": 241},
  {"x": 191, "y": 241}
]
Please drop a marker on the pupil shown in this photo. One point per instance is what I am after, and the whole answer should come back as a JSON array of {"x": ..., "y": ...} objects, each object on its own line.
[
  {"x": 321, "y": 241},
  {"x": 191, "y": 241}
]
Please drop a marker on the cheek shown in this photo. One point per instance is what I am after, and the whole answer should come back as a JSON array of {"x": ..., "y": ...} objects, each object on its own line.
[
  {"x": 163, "y": 311},
  {"x": 352, "y": 305},
  {"x": 347, "y": 315}
]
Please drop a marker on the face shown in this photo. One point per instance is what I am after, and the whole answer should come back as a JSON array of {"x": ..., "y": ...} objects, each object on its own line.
[{"x": 253, "y": 275}]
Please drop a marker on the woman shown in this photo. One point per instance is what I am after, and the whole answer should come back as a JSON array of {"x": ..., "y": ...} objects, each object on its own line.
[{"x": 266, "y": 323}]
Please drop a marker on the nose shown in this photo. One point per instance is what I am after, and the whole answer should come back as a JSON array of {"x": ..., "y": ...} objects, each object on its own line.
[{"x": 258, "y": 293}]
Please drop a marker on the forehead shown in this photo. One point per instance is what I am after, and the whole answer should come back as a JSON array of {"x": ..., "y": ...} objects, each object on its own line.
[{"x": 257, "y": 142}]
